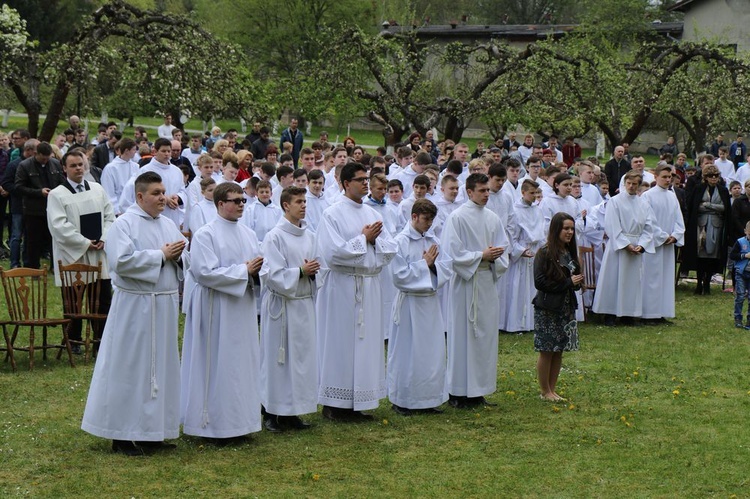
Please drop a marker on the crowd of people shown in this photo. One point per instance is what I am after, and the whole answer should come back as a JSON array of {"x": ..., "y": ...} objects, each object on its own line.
[{"x": 330, "y": 276}]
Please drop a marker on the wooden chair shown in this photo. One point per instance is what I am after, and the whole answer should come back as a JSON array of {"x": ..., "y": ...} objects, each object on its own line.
[
  {"x": 26, "y": 300},
  {"x": 81, "y": 289},
  {"x": 588, "y": 264}
]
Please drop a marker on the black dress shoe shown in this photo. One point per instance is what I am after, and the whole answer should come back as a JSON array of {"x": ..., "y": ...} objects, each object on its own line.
[
  {"x": 76, "y": 349},
  {"x": 155, "y": 445},
  {"x": 609, "y": 320},
  {"x": 126, "y": 447},
  {"x": 481, "y": 401},
  {"x": 362, "y": 416},
  {"x": 431, "y": 410},
  {"x": 401, "y": 410},
  {"x": 294, "y": 422},
  {"x": 271, "y": 423},
  {"x": 331, "y": 413},
  {"x": 225, "y": 442},
  {"x": 458, "y": 401}
]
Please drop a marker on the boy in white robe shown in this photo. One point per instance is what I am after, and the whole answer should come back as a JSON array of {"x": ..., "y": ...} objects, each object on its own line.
[
  {"x": 117, "y": 173},
  {"x": 355, "y": 249},
  {"x": 419, "y": 190},
  {"x": 204, "y": 211},
  {"x": 134, "y": 395},
  {"x": 316, "y": 200},
  {"x": 288, "y": 365},
  {"x": 628, "y": 224},
  {"x": 220, "y": 391},
  {"x": 669, "y": 231},
  {"x": 416, "y": 349},
  {"x": 446, "y": 203},
  {"x": 263, "y": 215},
  {"x": 526, "y": 239},
  {"x": 194, "y": 192},
  {"x": 501, "y": 205},
  {"x": 474, "y": 242}
]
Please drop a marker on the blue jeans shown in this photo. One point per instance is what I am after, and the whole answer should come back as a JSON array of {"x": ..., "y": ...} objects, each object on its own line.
[
  {"x": 741, "y": 288},
  {"x": 16, "y": 231}
]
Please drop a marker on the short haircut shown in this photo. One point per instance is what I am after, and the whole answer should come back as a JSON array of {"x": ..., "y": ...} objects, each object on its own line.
[
  {"x": 497, "y": 170},
  {"x": 283, "y": 171},
  {"x": 77, "y": 152},
  {"x": 632, "y": 175},
  {"x": 338, "y": 149},
  {"x": 349, "y": 170},
  {"x": 264, "y": 184},
  {"x": 455, "y": 167},
  {"x": 448, "y": 178},
  {"x": 512, "y": 163},
  {"x": 161, "y": 142},
  {"x": 125, "y": 144},
  {"x": 422, "y": 180},
  {"x": 733, "y": 183},
  {"x": 424, "y": 207},
  {"x": 289, "y": 192},
  {"x": 552, "y": 171},
  {"x": 285, "y": 157},
  {"x": 222, "y": 191},
  {"x": 272, "y": 149},
  {"x": 214, "y": 155},
  {"x": 476, "y": 178},
  {"x": 661, "y": 168},
  {"x": 264, "y": 129},
  {"x": 529, "y": 185},
  {"x": 378, "y": 177},
  {"x": 30, "y": 145},
  {"x": 315, "y": 175},
  {"x": 423, "y": 158},
  {"x": 306, "y": 150},
  {"x": 395, "y": 183},
  {"x": 145, "y": 179},
  {"x": 175, "y": 131},
  {"x": 205, "y": 182},
  {"x": 404, "y": 152},
  {"x": 268, "y": 168},
  {"x": 116, "y": 134},
  {"x": 44, "y": 149},
  {"x": 23, "y": 133},
  {"x": 299, "y": 172}
]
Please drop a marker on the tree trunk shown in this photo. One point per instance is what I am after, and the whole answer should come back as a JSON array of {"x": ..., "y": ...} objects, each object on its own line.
[
  {"x": 55, "y": 110},
  {"x": 454, "y": 129}
]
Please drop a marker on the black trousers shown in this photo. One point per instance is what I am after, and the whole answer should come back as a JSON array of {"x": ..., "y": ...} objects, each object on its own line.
[
  {"x": 38, "y": 240},
  {"x": 105, "y": 300}
]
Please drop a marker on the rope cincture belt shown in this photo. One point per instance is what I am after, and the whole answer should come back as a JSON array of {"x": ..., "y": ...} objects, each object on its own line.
[
  {"x": 153, "y": 295},
  {"x": 400, "y": 302},
  {"x": 283, "y": 340},
  {"x": 359, "y": 275}
]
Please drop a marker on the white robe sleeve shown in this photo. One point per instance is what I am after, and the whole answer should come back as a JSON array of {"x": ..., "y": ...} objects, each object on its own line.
[
  {"x": 613, "y": 227},
  {"x": 65, "y": 233},
  {"x": 646, "y": 239},
  {"x": 678, "y": 232},
  {"x": 465, "y": 262},
  {"x": 279, "y": 274},
  {"x": 109, "y": 217},
  {"x": 108, "y": 182},
  {"x": 337, "y": 251},
  {"x": 125, "y": 260},
  {"x": 206, "y": 270},
  {"x": 127, "y": 197},
  {"x": 500, "y": 265}
]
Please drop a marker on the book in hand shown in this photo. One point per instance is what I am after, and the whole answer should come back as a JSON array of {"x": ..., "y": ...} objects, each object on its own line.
[{"x": 91, "y": 226}]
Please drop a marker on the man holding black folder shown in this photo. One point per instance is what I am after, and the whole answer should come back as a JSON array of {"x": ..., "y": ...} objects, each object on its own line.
[{"x": 79, "y": 215}]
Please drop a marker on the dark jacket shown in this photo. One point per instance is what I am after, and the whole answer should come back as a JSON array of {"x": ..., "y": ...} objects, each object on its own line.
[
  {"x": 100, "y": 156},
  {"x": 740, "y": 217},
  {"x": 614, "y": 170},
  {"x": 690, "y": 250},
  {"x": 297, "y": 142},
  {"x": 551, "y": 293},
  {"x": 31, "y": 178},
  {"x": 8, "y": 181}
]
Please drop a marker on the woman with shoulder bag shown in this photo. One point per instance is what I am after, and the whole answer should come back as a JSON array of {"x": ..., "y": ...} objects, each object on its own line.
[{"x": 557, "y": 275}]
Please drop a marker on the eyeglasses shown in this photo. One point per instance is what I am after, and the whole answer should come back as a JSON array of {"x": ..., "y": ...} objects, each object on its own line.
[
  {"x": 237, "y": 201},
  {"x": 361, "y": 179},
  {"x": 712, "y": 175}
]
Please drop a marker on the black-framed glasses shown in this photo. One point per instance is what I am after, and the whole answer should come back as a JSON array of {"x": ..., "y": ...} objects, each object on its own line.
[
  {"x": 237, "y": 201},
  {"x": 361, "y": 179}
]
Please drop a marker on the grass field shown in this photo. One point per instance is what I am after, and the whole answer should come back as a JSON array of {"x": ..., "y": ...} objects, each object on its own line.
[{"x": 652, "y": 411}]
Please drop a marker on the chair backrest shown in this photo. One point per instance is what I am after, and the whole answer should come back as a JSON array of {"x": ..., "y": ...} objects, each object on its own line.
[
  {"x": 25, "y": 293},
  {"x": 80, "y": 287},
  {"x": 586, "y": 254}
]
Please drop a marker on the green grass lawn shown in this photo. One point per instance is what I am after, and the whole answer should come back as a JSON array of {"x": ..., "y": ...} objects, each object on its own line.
[{"x": 651, "y": 411}]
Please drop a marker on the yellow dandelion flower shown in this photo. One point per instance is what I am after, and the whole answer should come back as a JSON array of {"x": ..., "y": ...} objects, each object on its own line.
[
  {"x": 623, "y": 418},
  {"x": 598, "y": 441},
  {"x": 675, "y": 392},
  {"x": 580, "y": 378},
  {"x": 555, "y": 408},
  {"x": 674, "y": 378},
  {"x": 477, "y": 415},
  {"x": 385, "y": 422},
  {"x": 316, "y": 477},
  {"x": 571, "y": 407},
  {"x": 627, "y": 423},
  {"x": 635, "y": 373}
]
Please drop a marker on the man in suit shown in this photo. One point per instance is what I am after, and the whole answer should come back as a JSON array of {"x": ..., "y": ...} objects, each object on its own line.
[
  {"x": 35, "y": 178},
  {"x": 105, "y": 153},
  {"x": 294, "y": 136}
]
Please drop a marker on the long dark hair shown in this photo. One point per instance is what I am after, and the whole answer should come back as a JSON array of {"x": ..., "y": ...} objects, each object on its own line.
[{"x": 556, "y": 248}]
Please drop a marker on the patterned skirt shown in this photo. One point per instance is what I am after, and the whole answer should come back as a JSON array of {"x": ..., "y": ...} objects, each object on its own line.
[{"x": 556, "y": 331}]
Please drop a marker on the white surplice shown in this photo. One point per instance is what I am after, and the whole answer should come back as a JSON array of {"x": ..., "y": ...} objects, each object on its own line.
[
  {"x": 472, "y": 316},
  {"x": 618, "y": 287},
  {"x": 659, "y": 267},
  {"x": 553, "y": 204},
  {"x": 202, "y": 213},
  {"x": 220, "y": 391},
  {"x": 135, "y": 388},
  {"x": 261, "y": 218},
  {"x": 114, "y": 177},
  {"x": 528, "y": 233},
  {"x": 288, "y": 364},
  {"x": 64, "y": 210},
  {"x": 349, "y": 308},
  {"x": 316, "y": 205},
  {"x": 390, "y": 216},
  {"x": 416, "y": 348},
  {"x": 502, "y": 204}
]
